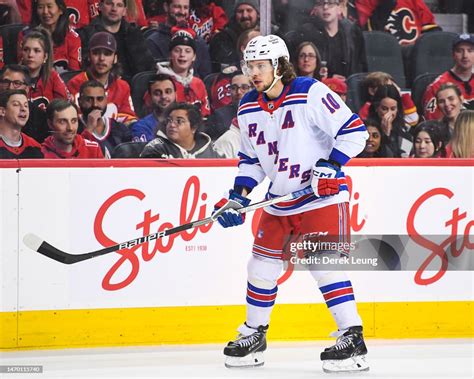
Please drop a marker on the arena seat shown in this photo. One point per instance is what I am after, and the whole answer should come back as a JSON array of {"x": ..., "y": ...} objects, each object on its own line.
[
  {"x": 432, "y": 53},
  {"x": 128, "y": 150},
  {"x": 418, "y": 88},
  {"x": 9, "y": 35},
  {"x": 138, "y": 87},
  {"x": 384, "y": 54},
  {"x": 355, "y": 91},
  {"x": 68, "y": 75}
]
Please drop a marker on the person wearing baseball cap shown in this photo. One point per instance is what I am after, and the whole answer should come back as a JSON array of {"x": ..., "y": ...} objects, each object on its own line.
[
  {"x": 102, "y": 66},
  {"x": 463, "y": 38},
  {"x": 461, "y": 75},
  {"x": 103, "y": 40}
]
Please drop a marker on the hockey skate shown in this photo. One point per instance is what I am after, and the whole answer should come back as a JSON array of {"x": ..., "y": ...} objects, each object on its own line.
[
  {"x": 247, "y": 350},
  {"x": 348, "y": 354}
]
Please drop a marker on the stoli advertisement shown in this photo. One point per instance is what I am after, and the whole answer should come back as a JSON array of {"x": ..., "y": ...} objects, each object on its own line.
[{"x": 422, "y": 217}]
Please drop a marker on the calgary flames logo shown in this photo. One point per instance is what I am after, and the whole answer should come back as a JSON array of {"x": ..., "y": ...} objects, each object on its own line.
[
  {"x": 74, "y": 15},
  {"x": 40, "y": 102},
  {"x": 401, "y": 24}
]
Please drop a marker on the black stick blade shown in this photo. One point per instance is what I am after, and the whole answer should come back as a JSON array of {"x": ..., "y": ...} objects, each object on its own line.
[{"x": 41, "y": 246}]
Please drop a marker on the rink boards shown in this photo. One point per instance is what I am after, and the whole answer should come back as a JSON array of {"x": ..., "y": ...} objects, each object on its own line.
[{"x": 191, "y": 288}]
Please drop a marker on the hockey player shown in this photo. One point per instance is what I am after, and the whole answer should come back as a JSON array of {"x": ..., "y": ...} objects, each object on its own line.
[{"x": 298, "y": 133}]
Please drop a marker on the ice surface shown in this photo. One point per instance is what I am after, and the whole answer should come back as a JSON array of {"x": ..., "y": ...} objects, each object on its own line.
[{"x": 433, "y": 358}]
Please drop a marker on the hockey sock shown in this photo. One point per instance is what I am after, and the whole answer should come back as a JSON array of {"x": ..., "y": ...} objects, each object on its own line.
[
  {"x": 261, "y": 289},
  {"x": 337, "y": 291}
]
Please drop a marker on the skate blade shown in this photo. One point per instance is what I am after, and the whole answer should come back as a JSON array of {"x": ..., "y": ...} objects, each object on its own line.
[
  {"x": 353, "y": 364},
  {"x": 251, "y": 360}
]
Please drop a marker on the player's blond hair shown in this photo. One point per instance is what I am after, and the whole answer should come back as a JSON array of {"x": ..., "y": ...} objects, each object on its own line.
[{"x": 463, "y": 137}]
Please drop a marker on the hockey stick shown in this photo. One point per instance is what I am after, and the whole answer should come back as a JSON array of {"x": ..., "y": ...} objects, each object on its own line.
[{"x": 36, "y": 243}]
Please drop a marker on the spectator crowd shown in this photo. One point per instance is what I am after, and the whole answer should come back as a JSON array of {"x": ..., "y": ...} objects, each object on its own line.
[{"x": 162, "y": 78}]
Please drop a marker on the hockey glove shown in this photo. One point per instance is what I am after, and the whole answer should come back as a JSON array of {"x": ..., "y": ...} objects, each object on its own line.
[
  {"x": 225, "y": 211},
  {"x": 324, "y": 181}
]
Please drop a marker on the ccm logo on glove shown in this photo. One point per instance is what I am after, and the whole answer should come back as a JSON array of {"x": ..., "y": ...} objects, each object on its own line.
[{"x": 325, "y": 178}]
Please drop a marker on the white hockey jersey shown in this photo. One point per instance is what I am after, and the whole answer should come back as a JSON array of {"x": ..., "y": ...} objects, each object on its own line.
[{"x": 283, "y": 138}]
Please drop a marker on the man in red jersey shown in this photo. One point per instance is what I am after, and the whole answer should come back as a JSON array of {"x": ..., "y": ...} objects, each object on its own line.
[
  {"x": 65, "y": 143},
  {"x": 461, "y": 75},
  {"x": 103, "y": 68},
  {"x": 14, "y": 113}
]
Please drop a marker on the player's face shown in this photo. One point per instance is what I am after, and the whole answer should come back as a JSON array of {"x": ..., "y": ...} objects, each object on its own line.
[
  {"x": 178, "y": 128},
  {"x": 307, "y": 61},
  {"x": 16, "y": 112},
  {"x": 102, "y": 61},
  {"x": 64, "y": 125},
  {"x": 33, "y": 55},
  {"x": 112, "y": 11},
  {"x": 327, "y": 10},
  {"x": 182, "y": 58},
  {"x": 373, "y": 143},
  {"x": 48, "y": 13},
  {"x": 260, "y": 73},
  {"x": 162, "y": 94},
  {"x": 239, "y": 86},
  {"x": 91, "y": 99},
  {"x": 424, "y": 147},
  {"x": 12, "y": 80},
  {"x": 449, "y": 103},
  {"x": 246, "y": 16},
  {"x": 387, "y": 105},
  {"x": 464, "y": 56},
  {"x": 178, "y": 10}
]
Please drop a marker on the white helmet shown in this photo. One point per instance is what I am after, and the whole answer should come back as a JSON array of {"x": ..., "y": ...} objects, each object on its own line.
[{"x": 266, "y": 47}]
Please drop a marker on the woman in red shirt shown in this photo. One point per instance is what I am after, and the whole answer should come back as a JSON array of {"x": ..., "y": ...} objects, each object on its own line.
[
  {"x": 53, "y": 16},
  {"x": 46, "y": 84}
]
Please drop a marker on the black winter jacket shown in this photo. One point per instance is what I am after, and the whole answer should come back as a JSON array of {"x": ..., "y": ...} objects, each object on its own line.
[
  {"x": 223, "y": 47},
  {"x": 133, "y": 54},
  {"x": 162, "y": 147},
  {"x": 353, "y": 48}
]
